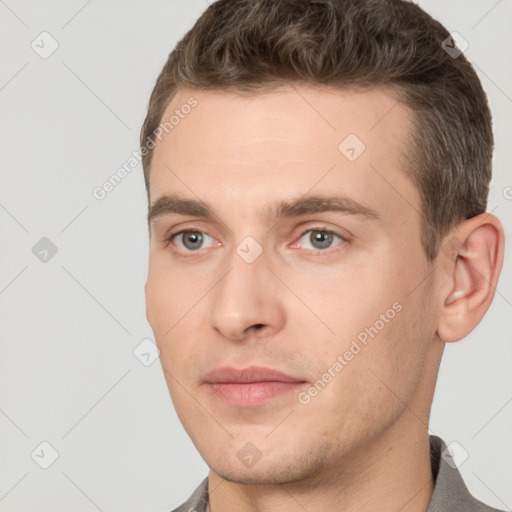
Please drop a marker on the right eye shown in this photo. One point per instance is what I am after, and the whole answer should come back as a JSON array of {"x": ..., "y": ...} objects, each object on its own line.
[{"x": 189, "y": 240}]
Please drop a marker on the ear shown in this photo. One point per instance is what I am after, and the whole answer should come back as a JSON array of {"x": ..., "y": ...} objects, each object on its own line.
[{"x": 470, "y": 261}]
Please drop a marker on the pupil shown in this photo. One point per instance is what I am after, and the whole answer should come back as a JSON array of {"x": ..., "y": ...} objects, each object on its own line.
[
  {"x": 320, "y": 239},
  {"x": 195, "y": 238}
]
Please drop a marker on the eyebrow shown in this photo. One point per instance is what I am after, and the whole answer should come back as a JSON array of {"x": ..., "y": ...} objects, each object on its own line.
[{"x": 305, "y": 205}]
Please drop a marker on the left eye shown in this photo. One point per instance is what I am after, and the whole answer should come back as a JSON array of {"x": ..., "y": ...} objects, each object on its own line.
[{"x": 320, "y": 239}]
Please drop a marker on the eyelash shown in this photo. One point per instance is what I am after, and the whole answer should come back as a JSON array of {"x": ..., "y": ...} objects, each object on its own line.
[{"x": 315, "y": 252}]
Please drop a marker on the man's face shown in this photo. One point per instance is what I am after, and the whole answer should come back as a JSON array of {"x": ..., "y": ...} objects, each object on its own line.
[{"x": 341, "y": 300}]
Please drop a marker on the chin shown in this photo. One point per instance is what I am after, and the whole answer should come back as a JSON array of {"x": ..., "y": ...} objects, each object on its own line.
[
  {"x": 268, "y": 472},
  {"x": 260, "y": 477}
]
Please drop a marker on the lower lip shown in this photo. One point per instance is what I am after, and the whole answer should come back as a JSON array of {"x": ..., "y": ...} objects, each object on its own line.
[{"x": 251, "y": 393}]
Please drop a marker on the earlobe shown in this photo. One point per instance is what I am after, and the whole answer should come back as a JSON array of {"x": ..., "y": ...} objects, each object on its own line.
[{"x": 472, "y": 273}]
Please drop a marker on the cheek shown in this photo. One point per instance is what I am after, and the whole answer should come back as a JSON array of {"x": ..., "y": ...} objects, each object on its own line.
[
  {"x": 169, "y": 304},
  {"x": 170, "y": 292},
  {"x": 394, "y": 357},
  {"x": 345, "y": 298},
  {"x": 160, "y": 300},
  {"x": 375, "y": 320}
]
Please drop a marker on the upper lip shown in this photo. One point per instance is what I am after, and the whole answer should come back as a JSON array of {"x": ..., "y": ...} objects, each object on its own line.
[{"x": 228, "y": 374}]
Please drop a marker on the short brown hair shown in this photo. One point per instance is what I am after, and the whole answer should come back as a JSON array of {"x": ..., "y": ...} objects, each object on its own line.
[{"x": 249, "y": 46}]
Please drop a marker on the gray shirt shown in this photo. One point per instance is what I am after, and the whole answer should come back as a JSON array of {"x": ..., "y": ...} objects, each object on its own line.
[{"x": 450, "y": 492}]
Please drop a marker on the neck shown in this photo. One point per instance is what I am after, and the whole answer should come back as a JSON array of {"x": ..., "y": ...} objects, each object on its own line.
[{"x": 391, "y": 473}]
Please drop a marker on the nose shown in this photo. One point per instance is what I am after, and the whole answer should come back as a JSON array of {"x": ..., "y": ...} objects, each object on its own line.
[{"x": 247, "y": 301}]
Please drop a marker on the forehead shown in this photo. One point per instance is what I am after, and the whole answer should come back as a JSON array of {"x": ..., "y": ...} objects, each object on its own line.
[
  {"x": 325, "y": 115},
  {"x": 284, "y": 141}
]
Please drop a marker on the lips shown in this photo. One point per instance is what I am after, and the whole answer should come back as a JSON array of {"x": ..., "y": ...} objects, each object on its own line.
[{"x": 249, "y": 386}]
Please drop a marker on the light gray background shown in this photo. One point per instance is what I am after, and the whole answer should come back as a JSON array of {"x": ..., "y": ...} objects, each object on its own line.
[{"x": 69, "y": 326}]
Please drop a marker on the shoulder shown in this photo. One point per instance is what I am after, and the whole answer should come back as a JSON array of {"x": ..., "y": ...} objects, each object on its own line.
[
  {"x": 197, "y": 501},
  {"x": 450, "y": 491}
]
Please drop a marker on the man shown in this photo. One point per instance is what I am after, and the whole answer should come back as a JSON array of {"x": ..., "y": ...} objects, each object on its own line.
[{"x": 317, "y": 175}]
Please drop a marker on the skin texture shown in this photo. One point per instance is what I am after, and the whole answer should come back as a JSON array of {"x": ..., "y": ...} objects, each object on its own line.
[{"x": 362, "y": 440}]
